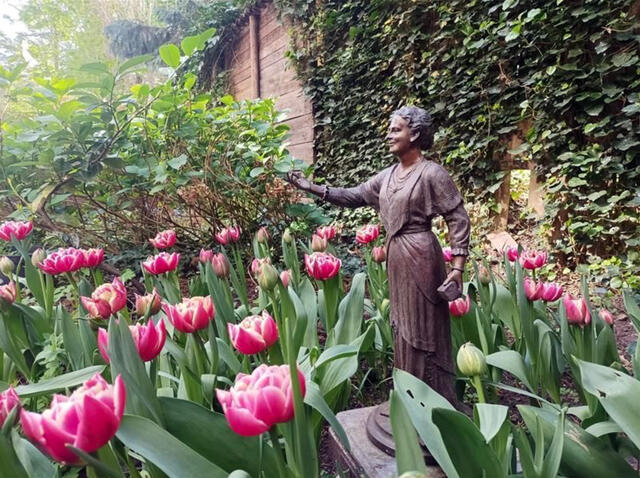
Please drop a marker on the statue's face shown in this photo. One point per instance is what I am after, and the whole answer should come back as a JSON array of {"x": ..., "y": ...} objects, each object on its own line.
[{"x": 399, "y": 136}]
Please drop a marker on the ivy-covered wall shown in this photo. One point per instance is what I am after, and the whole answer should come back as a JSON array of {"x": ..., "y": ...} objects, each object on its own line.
[{"x": 568, "y": 71}]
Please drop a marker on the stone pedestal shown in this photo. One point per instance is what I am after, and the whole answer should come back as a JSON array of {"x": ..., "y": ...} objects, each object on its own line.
[{"x": 364, "y": 459}]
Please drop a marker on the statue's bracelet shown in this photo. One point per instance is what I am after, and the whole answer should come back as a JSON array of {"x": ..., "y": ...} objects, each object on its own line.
[
  {"x": 324, "y": 193},
  {"x": 460, "y": 269}
]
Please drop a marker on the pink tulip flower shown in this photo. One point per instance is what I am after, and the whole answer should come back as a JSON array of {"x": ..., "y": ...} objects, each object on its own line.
[
  {"x": 512, "y": 253},
  {"x": 191, "y": 314},
  {"x": 551, "y": 291},
  {"x": 220, "y": 265},
  {"x": 9, "y": 400},
  {"x": 577, "y": 311},
  {"x": 92, "y": 257},
  {"x": 15, "y": 229},
  {"x": 254, "y": 334},
  {"x": 258, "y": 401},
  {"x": 532, "y": 289},
  {"x": 63, "y": 261},
  {"x": 285, "y": 277},
  {"x": 367, "y": 234},
  {"x": 8, "y": 293},
  {"x": 106, "y": 300},
  {"x": 148, "y": 339},
  {"x": 605, "y": 315},
  {"x": 161, "y": 263},
  {"x": 228, "y": 235},
  {"x": 87, "y": 419},
  {"x": 164, "y": 239},
  {"x": 460, "y": 306},
  {"x": 326, "y": 232},
  {"x": 379, "y": 254},
  {"x": 262, "y": 236},
  {"x": 322, "y": 265},
  {"x": 533, "y": 259},
  {"x": 144, "y": 302},
  {"x": 205, "y": 255},
  {"x": 447, "y": 254},
  {"x": 319, "y": 243}
]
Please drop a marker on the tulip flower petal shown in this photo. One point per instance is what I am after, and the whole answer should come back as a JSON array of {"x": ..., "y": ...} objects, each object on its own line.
[
  {"x": 91, "y": 437},
  {"x": 55, "y": 442},
  {"x": 244, "y": 423}
]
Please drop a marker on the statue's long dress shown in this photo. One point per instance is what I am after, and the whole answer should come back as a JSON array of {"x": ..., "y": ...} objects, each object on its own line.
[{"x": 415, "y": 264}]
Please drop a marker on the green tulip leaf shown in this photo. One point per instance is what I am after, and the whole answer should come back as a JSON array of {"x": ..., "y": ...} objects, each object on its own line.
[
  {"x": 409, "y": 455},
  {"x": 61, "y": 382}
]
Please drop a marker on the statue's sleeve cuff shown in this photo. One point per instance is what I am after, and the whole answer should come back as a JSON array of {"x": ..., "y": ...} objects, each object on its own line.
[{"x": 457, "y": 251}]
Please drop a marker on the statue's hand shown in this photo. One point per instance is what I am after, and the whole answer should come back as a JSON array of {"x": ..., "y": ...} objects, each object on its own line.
[
  {"x": 298, "y": 180},
  {"x": 455, "y": 276}
]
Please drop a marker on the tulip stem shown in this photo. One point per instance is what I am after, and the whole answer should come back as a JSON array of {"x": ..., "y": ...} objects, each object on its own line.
[
  {"x": 477, "y": 383},
  {"x": 275, "y": 443}
]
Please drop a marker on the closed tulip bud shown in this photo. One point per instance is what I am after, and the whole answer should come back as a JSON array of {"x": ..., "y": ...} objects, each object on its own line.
[
  {"x": 606, "y": 316},
  {"x": 8, "y": 293},
  {"x": 379, "y": 254},
  {"x": 483, "y": 275},
  {"x": 6, "y": 266},
  {"x": 577, "y": 310},
  {"x": 460, "y": 306},
  {"x": 9, "y": 400},
  {"x": 385, "y": 307},
  {"x": 471, "y": 360},
  {"x": 150, "y": 302},
  {"x": 267, "y": 277},
  {"x": 532, "y": 289},
  {"x": 287, "y": 237},
  {"x": 319, "y": 244},
  {"x": 205, "y": 255},
  {"x": 512, "y": 253},
  {"x": 220, "y": 265},
  {"x": 229, "y": 235},
  {"x": 285, "y": 277},
  {"x": 38, "y": 256},
  {"x": 262, "y": 236}
]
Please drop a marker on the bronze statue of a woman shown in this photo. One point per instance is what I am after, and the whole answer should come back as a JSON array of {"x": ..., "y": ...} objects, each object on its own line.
[{"x": 408, "y": 196}]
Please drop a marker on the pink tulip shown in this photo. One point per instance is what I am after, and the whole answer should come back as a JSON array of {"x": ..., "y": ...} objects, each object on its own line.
[
  {"x": 63, "y": 261},
  {"x": 322, "y": 265},
  {"x": 254, "y": 334},
  {"x": 8, "y": 293},
  {"x": 258, "y": 401},
  {"x": 262, "y": 235},
  {"x": 92, "y": 257},
  {"x": 220, "y": 265},
  {"x": 551, "y": 291},
  {"x": 150, "y": 302},
  {"x": 228, "y": 235},
  {"x": 605, "y": 315},
  {"x": 577, "y": 311},
  {"x": 447, "y": 254},
  {"x": 106, "y": 300},
  {"x": 161, "y": 263},
  {"x": 87, "y": 419},
  {"x": 205, "y": 255},
  {"x": 326, "y": 232},
  {"x": 379, "y": 254},
  {"x": 460, "y": 306},
  {"x": 9, "y": 400},
  {"x": 367, "y": 234},
  {"x": 285, "y": 277},
  {"x": 164, "y": 239},
  {"x": 532, "y": 290},
  {"x": 319, "y": 243},
  {"x": 148, "y": 339},
  {"x": 533, "y": 259},
  {"x": 15, "y": 229},
  {"x": 512, "y": 253},
  {"x": 191, "y": 314}
]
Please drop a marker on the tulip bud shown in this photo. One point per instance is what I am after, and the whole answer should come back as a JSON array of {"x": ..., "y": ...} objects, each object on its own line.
[
  {"x": 287, "y": 237},
  {"x": 483, "y": 276},
  {"x": 38, "y": 256},
  {"x": 151, "y": 302},
  {"x": 205, "y": 255},
  {"x": 220, "y": 265},
  {"x": 471, "y": 360},
  {"x": 319, "y": 244},
  {"x": 285, "y": 277},
  {"x": 384, "y": 307},
  {"x": 606, "y": 316},
  {"x": 262, "y": 236},
  {"x": 6, "y": 266},
  {"x": 267, "y": 276},
  {"x": 379, "y": 254}
]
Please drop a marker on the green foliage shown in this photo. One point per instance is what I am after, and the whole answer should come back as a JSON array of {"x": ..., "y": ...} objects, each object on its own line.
[{"x": 561, "y": 76}]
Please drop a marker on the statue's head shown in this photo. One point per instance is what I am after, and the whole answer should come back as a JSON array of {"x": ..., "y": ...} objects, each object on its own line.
[{"x": 420, "y": 123}]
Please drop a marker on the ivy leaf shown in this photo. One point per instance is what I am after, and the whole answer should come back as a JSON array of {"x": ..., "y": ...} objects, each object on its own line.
[
  {"x": 170, "y": 54},
  {"x": 625, "y": 59},
  {"x": 575, "y": 182}
]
